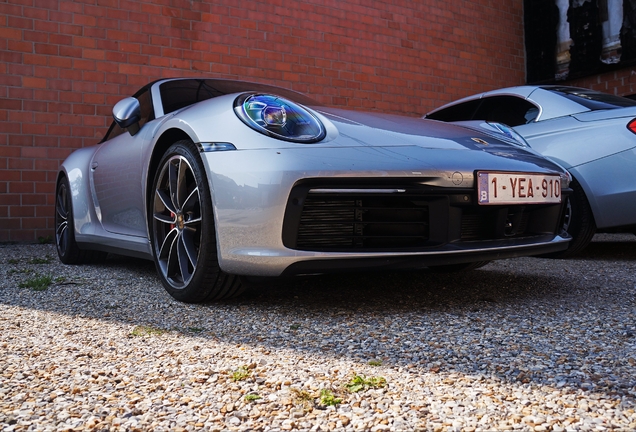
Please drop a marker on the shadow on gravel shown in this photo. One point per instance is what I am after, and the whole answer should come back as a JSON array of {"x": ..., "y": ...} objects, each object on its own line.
[
  {"x": 609, "y": 251},
  {"x": 514, "y": 319},
  {"x": 390, "y": 292}
]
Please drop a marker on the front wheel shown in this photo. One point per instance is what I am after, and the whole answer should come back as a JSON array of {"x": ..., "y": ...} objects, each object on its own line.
[
  {"x": 182, "y": 230},
  {"x": 578, "y": 221}
]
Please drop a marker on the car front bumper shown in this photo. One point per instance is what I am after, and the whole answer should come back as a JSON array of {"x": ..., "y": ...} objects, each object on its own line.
[{"x": 264, "y": 227}]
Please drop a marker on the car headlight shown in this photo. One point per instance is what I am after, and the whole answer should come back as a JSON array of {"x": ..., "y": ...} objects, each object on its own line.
[
  {"x": 278, "y": 118},
  {"x": 510, "y": 133}
]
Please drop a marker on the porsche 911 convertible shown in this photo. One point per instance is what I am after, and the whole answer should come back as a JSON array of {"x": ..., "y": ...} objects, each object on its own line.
[{"x": 219, "y": 181}]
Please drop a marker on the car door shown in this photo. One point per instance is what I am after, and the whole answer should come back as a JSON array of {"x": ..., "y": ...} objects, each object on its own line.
[{"x": 116, "y": 176}]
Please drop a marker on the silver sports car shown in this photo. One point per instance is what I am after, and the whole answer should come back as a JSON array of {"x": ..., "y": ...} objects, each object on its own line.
[
  {"x": 592, "y": 134},
  {"x": 218, "y": 181}
]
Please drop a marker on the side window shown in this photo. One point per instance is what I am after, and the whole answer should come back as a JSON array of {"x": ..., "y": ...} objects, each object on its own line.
[
  {"x": 459, "y": 112},
  {"x": 147, "y": 114},
  {"x": 509, "y": 110}
]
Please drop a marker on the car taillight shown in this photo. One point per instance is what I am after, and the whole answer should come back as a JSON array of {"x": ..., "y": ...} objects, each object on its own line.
[{"x": 632, "y": 125}]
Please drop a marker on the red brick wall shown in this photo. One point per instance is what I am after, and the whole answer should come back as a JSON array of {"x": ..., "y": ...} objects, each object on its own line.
[
  {"x": 621, "y": 82},
  {"x": 63, "y": 64}
]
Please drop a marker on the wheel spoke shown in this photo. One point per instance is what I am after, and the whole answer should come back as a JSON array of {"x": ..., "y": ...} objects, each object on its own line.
[
  {"x": 61, "y": 234},
  {"x": 188, "y": 238},
  {"x": 192, "y": 202},
  {"x": 184, "y": 260},
  {"x": 167, "y": 219},
  {"x": 182, "y": 186},
  {"x": 174, "y": 168},
  {"x": 192, "y": 223},
  {"x": 167, "y": 252},
  {"x": 165, "y": 200}
]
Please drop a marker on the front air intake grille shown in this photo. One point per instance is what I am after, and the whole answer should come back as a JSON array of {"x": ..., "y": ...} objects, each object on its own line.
[
  {"x": 349, "y": 222},
  {"x": 494, "y": 222},
  {"x": 334, "y": 215}
]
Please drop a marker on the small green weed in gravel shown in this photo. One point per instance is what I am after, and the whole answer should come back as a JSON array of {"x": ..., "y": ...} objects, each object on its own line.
[
  {"x": 375, "y": 362},
  {"x": 141, "y": 330},
  {"x": 45, "y": 240},
  {"x": 23, "y": 271},
  {"x": 241, "y": 373},
  {"x": 196, "y": 329},
  {"x": 294, "y": 326},
  {"x": 360, "y": 382},
  {"x": 13, "y": 260},
  {"x": 37, "y": 283},
  {"x": 36, "y": 260},
  {"x": 302, "y": 397},
  {"x": 252, "y": 397},
  {"x": 327, "y": 398}
]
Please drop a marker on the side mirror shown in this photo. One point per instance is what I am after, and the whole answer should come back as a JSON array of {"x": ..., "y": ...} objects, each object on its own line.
[{"x": 127, "y": 114}]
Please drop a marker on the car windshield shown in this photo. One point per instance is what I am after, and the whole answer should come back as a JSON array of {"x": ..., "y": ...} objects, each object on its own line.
[
  {"x": 178, "y": 94},
  {"x": 591, "y": 99}
]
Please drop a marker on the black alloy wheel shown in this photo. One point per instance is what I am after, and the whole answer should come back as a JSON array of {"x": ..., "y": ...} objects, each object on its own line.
[
  {"x": 578, "y": 221},
  {"x": 183, "y": 232},
  {"x": 67, "y": 248}
]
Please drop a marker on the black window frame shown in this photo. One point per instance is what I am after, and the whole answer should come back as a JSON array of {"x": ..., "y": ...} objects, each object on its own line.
[{"x": 144, "y": 96}]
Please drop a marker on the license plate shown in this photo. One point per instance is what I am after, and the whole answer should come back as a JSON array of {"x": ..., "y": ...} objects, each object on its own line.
[{"x": 517, "y": 188}]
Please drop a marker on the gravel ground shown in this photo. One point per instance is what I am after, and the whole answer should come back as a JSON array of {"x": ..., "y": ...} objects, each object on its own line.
[{"x": 524, "y": 344}]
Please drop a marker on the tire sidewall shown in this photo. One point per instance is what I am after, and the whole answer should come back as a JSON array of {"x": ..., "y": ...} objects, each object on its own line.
[{"x": 581, "y": 226}]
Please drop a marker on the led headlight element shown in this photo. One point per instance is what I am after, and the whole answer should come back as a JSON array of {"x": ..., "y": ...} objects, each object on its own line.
[{"x": 278, "y": 118}]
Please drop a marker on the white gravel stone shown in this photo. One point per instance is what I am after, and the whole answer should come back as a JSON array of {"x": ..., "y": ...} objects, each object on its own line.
[{"x": 524, "y": 344}]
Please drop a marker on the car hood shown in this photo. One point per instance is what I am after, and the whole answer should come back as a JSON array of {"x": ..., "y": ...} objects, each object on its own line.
[
  {"x": 386, "y": 130},
  {"x": 212, "y": 121}
]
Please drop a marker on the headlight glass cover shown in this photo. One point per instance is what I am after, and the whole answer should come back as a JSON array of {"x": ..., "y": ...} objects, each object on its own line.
[{"x": 278, "y": 118}]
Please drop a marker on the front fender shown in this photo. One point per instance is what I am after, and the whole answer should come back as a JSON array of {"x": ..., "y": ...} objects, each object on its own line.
[{"x": 176, "y": 123}]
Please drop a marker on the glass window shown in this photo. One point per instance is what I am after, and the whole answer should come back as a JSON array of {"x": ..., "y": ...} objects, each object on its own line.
[
  {"x": 509, "y": 110},
  {"x": 459, "y": 112}
]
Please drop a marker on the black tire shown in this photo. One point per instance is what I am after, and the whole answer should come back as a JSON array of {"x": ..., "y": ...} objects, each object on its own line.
[
  {"x": 455, "y": 268},
  {"x": 67, "y": 248},
  {"x": 578, "y": 221},
  {"x": 182, "y": 230}
]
